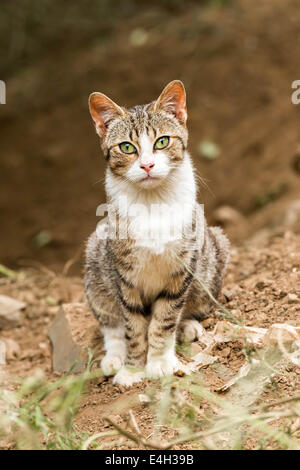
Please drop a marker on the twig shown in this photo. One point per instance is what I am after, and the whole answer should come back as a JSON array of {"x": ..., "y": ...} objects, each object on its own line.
[
  {"x": 134, "y": 423},
  {"x": 126, "y": 433},
  {"x": 137, "y": 439},
  {"x": 86, "y": 444},
  {"x": 281, "y": 402}
]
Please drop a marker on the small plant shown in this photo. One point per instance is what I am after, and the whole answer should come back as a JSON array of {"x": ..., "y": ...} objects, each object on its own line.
[
  {"x": 208, "y": 420},
  {"x": 40, "y": 415}
]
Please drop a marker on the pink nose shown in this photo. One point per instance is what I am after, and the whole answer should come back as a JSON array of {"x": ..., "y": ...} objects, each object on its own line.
[{"x": 147, "y": 167}]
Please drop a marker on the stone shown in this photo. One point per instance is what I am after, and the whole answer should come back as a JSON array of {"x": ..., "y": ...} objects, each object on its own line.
[
  {"x": 281, "y": 333},
  {"x": 179, "y": 373},
  {"x": 144, "y": 398},
  {"x": 13, "y": 350},
  {"x": 229, "y": 294},
  {"x": 72, "y": 333},
  {"x": 10, "y": 312},
  {"x": 293, "y": 299},
  {"x": 226, "y": 216}
]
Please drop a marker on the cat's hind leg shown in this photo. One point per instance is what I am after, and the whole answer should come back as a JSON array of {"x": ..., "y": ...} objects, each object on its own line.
[
  {"x": 190, "y": 331},
  {"x": 211, "y": 270},
  {"x": 198, "y": 307}
]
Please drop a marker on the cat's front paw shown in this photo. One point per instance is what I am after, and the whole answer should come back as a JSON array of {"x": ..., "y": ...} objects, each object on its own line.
[
  {"x": 128, "y": 376},
  {"x": 158, "y": 366},
  {"x": 111, "y": 363}
]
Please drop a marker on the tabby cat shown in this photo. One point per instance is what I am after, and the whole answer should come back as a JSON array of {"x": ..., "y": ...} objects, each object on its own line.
[{"x": 141, "y": 287}]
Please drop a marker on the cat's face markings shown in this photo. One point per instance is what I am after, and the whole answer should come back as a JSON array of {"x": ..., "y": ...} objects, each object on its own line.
[
  {"x": 151, "y": 166},
  {"x": 157, "y": 133}
]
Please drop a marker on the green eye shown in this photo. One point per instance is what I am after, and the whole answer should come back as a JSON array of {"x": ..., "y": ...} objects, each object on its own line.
[
  {"x": 161, "y": 143},
  {"x": 127, "y": 147}
]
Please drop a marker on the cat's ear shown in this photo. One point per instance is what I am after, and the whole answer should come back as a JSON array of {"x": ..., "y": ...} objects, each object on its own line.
[
  {"x": 173, "y": 100},
  {"x": 103, "y": 110}
]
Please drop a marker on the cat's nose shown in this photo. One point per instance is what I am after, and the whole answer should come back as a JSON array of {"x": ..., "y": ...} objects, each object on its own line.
[{"x": 147, "y": 166}]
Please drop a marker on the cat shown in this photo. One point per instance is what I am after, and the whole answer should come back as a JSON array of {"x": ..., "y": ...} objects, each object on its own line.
[{"x": 143, "y": 288}]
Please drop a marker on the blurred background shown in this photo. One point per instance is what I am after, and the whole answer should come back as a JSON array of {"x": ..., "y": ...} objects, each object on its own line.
[{"x": 237, "y": 59}]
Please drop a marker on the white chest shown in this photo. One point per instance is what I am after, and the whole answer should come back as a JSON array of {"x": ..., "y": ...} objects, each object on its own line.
[{"x": 159, "y": 226}]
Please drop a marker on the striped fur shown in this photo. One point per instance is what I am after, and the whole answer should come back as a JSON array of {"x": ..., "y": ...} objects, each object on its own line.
[{"x": 142, "y": 291}]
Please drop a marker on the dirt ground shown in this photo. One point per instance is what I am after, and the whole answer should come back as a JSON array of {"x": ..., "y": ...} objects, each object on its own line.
[
  {"x": 238, "y": 64},
  {"x": 260, "y": 278}
]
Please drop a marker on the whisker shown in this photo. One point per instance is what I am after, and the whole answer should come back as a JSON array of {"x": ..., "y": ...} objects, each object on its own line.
[
  {"x": 204, "y": 183},
  {"x": 101, "y": 180}
]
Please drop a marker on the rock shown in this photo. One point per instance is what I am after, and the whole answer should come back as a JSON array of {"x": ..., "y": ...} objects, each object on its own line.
[
  {"x": 2, "y": 353},
  {"x": 144, "y": 398},
  {"x": 10, "y": 312},
  {"x": 226, "y": 215},
  {"x": 229, "y": 294},
  {"x": 30, "y": 354},
  {"x": 288, "y": 220},
  {"x": 179, "y": 373},
  {"x": 262, "y": 284},
  {"x": 13, "y": 350},
  {"x": 281, "y": 333},
  {"x": 292, "y": 299},
  {"x": 73, "y": 331}
]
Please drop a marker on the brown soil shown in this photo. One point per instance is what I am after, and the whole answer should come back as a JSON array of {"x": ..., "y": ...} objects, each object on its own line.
[
  {"x": 259, "y": 279},
  {"x": 237, "y": 63}
]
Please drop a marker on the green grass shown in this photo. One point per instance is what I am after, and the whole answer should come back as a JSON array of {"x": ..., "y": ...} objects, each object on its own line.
[
  {"x": 211, "y": 420},
  {"x": 41, "y": 414}
]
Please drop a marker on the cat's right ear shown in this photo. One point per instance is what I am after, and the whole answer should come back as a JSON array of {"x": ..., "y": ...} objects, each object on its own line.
[{"x": 103, "y": 110}]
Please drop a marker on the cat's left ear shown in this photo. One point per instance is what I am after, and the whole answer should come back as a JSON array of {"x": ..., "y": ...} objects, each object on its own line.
[{"x": 173, "y": 101}]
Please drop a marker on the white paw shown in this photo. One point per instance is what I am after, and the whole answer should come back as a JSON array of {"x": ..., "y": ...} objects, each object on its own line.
[
  {"x": 192, "y": 330},
  {"x": 158, "y": 366},
  {"x": 128, "y": 376},
  {"x": 111, "y": 363}
]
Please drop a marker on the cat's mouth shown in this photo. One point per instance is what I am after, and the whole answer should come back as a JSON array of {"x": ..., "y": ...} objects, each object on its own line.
[
  {"x": 149, "y": 181},
  {"x": 149, "y": 178}
]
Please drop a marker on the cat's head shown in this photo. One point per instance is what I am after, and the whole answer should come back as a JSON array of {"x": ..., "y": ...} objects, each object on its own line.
[{"x": 144, "y": 144}]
